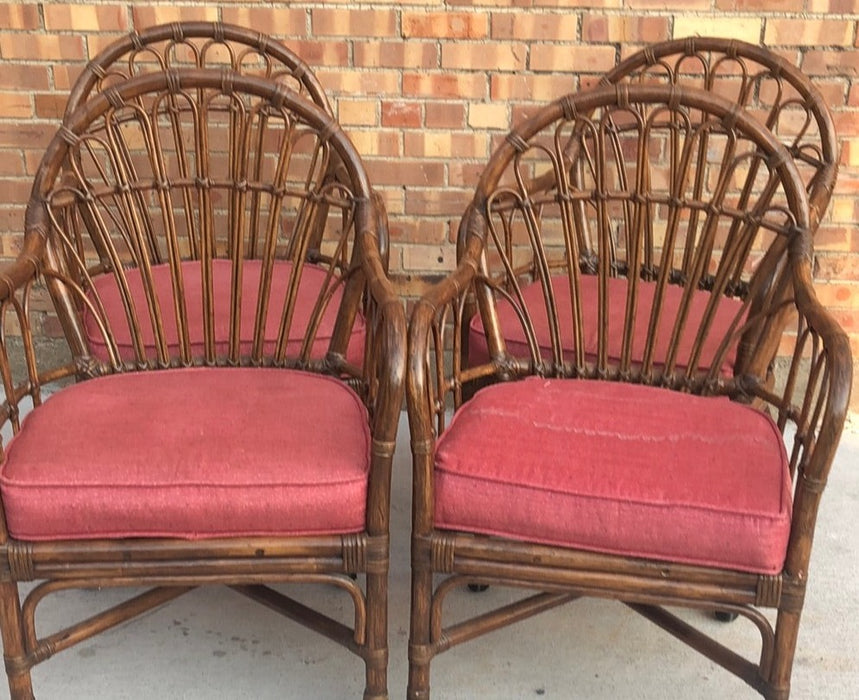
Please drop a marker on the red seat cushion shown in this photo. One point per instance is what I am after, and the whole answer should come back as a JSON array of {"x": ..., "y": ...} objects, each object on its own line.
[
  {"x": 190, "y": 453},
  {"x": 517, "y": 344},
  {"x": 313, "y": 279},
  {"x": 620, "y": 468}
]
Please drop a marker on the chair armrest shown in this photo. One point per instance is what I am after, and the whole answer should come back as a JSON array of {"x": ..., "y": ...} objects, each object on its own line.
[
  {"x": 16, "y": 281},
  {"x": 815, "y": 397},
  {"x": 386, "y": 373}
]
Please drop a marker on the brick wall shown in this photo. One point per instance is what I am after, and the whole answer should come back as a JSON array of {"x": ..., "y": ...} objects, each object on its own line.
[{"x": 425, "y": 87}]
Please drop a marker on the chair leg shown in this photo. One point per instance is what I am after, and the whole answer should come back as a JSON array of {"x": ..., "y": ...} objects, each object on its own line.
[
  {"x": 14, "y": 649},
  {"x": 376, "y": 659},
  {"x": 786, "y": 633},
  {"x": 419, "y": 636}
]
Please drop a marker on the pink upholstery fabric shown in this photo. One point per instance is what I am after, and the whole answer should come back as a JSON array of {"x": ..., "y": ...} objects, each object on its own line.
[
  {"x": 312, "y": 280},
  {"x": 190, "y": 453},
  {"x": 517, "y": 344},
  {"x": 620, "y": 468}
]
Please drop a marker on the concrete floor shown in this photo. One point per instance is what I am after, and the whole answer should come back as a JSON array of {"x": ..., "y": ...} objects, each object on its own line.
[{"x": 213, "y": 643}]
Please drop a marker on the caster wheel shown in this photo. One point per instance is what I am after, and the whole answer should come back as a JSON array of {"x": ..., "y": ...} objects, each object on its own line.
[{"x": 725, "y": 616}]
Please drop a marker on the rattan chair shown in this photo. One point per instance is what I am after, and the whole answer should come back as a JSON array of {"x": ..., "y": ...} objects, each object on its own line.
[
  {"x": 641, "y": 456},
  {"x": 228, "y": 410},
  {"x": 767, "y": 86}
]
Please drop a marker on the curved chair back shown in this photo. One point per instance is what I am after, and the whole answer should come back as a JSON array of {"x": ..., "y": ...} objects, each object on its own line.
[
  {"x": 775, "y": 91},
  {"x": 212, "y": 45},
  {"x": 190, "y": 218},
  {"x": 640, "y": 258}
]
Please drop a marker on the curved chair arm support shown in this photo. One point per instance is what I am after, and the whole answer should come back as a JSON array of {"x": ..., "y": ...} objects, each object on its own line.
[{"x": 823, "y": 405}]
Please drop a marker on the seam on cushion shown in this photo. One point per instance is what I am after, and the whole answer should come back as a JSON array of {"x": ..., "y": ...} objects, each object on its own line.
[
  {"x": 617, "y": 434},
  {"x": 164, "y": 534},
  {"x": 617, "y": 499},
  {"x": 78, "y": 486}
]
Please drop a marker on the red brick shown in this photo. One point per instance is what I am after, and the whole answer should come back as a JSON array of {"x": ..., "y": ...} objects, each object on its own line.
[
  {"x": 445, "y": 115},
  {"x": 19, "y": 76},
  {"x": 65, "y": 75},
  {"x": 402, "y": 114},
  {"x": 96, "y": 43},
  {"x": 376, "y": 142},
  {"x": 280, "y": 21},
  {"x": 354, "y": 83},
  {"x": 745, "y": 27},
  {"x": 16, "y": 190},
  {"x": 318, "y": 52},
  {"x": 573, "y": 59},
  {"x": 19, "y": 15},
  {"x": 667, "y": 4},
  {"x": 836, "y": 266},
  {"x": 832, "y": 238},
  {"x": 490, "y": 3},
  {"x": 449, "y": 84},
  {"x": 42, "y": 47},
  {"x": 809, "y": 32},
  {"x": 623, "y": 30},
  {"x": 162, "y": 14},
  {"x": 846, "y": 123},
  {"x": 50, "y": 106},
  {"x": 465, "y": 174},
  {"x": 429, "y": 257},
  {"x": 565, "y": 4},
  {"x": 360, "y": 112},
  {"x": 543, "y": 26},
  {"x": 835, "y": 7},
  {"x": 352, "y": 23},
  {"x": 494, "y": 57},
  {"x": 822, "y": 62},
  {"x": 531, "y": 87},
  {"x": 445, "y": 144},
  {"x": 761, "y": 6},
  {"x": 89, "y": 18},
  {"x": 396, "y": 54},
  {"x": 838, "y": 294},
  {"x": 404, "y": 172},
  {"x": 26, "y": 134},
  {"x": 11, "y": 163},
  {"x": 433, "y": 202},
  {"x": 445, "y": 25}
]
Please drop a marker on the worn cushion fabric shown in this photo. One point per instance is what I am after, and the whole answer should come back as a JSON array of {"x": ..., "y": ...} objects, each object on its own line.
[
  {"x": 312, "y": 282},
  {"x": 190, "y": 453},
  {"x": 620, "y": 468},
  {"x": 517, "y": 344}
]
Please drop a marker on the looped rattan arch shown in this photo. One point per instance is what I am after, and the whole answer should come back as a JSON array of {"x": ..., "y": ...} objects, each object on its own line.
[{"x": 765, "y": 84}]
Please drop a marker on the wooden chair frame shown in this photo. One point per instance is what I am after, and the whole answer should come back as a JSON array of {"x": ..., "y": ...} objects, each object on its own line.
[
  {"x": 813, "y": 398},
  {"x": 170, "y": 567}
]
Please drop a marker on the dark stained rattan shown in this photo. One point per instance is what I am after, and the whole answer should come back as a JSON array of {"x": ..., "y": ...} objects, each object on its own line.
[
  {"x": 212, "y": 45},
  {"x": 198, "y": 165},
  {"x": 775, "y": 91},
  {"x": 209, "y": 45},
  {"x": 648, "y": 170}
]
